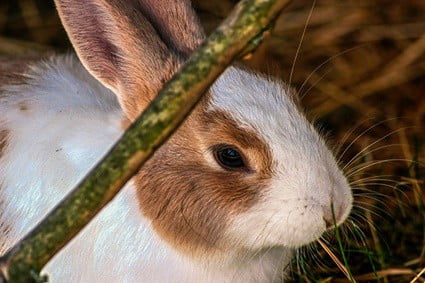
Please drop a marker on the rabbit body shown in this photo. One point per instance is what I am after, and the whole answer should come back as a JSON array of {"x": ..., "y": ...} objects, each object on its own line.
[
  {"x": 71, "y": 121},
  {"x": 244, "y": 181}
]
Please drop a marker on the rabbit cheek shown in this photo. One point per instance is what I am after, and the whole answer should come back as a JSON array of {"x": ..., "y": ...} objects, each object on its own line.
[
  {"x": 190, "y": 202},
  {"x": 190, "y": 208}
]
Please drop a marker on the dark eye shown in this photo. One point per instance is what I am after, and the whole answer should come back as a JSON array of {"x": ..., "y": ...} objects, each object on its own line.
[{"x": 229, "y": 158}]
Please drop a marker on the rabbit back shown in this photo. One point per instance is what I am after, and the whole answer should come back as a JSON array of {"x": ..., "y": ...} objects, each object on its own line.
[{"x": 56, "y": 122}]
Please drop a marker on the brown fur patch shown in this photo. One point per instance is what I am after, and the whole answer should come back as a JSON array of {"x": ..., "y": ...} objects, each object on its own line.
[
  {"x": 227, "y": 130},
  {"x": 189, "y": 201},
  {"x": 4, "y": 229},
  {"x": 3, "y": 141},
  {"x": 125, "y": 123}
]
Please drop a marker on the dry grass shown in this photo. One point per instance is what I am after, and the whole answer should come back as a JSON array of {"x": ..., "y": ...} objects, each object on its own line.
[{"x": 360, "y": 70}]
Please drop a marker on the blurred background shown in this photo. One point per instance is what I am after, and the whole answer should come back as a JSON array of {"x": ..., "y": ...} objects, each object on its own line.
[{"x": 359, "y": 67}]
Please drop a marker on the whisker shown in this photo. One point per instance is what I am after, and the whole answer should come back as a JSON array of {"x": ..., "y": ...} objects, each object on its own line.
[
  {"x": 349, "y": 133},
  {"x": 324, "y": 63},
  {"x": 372, "y": 197},
  {"x": 358, "y": 156},
  {"x": 363, "y": 133},
  {"x": 356, "y": 169},
  {"x": 393, "y": 187},
  {"x": 361, "y": 234},
  {"x": 362, "y": 218},
  {"x": 366, "y": 206},
  {"x": 302, "y": 95},
  {"x": 301, "y": 41},
  {"x": 372, "y": 144},
  {"x": 374, "y": 163},
  {"x": 374, "y": 178}
]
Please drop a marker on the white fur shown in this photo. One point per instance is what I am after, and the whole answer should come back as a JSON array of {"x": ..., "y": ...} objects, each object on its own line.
[
  {"x": 70, "y": 123},
  {"x": 305, "y": 177}
]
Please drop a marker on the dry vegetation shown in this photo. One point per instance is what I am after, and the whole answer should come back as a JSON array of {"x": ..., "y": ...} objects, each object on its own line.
[{"x": 360, "y": 71}]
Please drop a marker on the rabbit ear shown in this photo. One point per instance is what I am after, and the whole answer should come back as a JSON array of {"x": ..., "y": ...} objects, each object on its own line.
[
  {"x": 132, "y": 46},
  {"x": 177, "y": 23}
]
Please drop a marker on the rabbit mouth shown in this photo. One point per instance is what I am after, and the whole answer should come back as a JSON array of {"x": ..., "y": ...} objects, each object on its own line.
[{"x": 295, "y": 226}]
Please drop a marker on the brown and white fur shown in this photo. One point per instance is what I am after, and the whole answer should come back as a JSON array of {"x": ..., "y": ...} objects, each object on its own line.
[{"x": 183, "y": 217}]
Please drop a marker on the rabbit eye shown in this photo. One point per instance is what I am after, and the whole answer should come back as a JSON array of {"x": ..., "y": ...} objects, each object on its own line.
[{"x": 229, "y": 158}]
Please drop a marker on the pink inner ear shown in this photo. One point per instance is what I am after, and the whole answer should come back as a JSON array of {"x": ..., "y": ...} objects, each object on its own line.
[{"x": 84, "y": 23}]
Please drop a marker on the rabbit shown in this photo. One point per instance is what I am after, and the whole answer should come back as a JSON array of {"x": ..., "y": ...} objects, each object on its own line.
[{"x": 243, "y": 183}]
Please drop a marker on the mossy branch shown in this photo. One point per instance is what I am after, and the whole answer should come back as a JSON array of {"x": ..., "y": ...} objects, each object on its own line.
[{"x": 235, "y": 36}]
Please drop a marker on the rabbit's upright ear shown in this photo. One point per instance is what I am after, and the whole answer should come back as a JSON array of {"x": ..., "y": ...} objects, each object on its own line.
[{"x": 132, "y": 46}]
